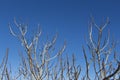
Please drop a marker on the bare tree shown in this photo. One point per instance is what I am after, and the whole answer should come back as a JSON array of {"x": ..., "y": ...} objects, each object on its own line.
[
  {"x": 39, "y": 64},
  {"x": 104, "y": 67},
  {"x": 36, "y": 66}
]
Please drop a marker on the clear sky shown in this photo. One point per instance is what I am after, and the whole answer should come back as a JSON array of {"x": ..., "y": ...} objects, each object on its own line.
[{"x": 69, "y": 18}]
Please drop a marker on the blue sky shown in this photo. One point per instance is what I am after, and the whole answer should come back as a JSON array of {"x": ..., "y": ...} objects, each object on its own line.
[{"x": 69, "y": 18}]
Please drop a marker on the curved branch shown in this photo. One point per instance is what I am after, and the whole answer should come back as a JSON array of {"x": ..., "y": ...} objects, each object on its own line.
[{"x": 114, "y": 73}]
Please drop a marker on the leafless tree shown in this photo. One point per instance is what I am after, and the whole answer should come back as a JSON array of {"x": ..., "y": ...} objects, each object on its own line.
[
  {"x": 37, "y": 65},
  {"x": 104, "y": 67}
]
